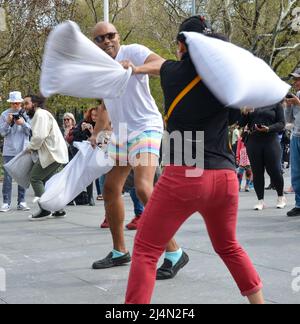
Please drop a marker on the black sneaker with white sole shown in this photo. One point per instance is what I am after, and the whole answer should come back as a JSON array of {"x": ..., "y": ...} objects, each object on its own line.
[
  {"x": 40, "y": 215},
  {"x": 294, "y": 213},
  {"x": 59, "y": 214},
  {"x": 168, "y": 271},
  {"x": 110, "y": 262}
]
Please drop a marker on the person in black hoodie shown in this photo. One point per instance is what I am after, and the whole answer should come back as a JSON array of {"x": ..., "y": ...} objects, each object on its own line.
[
  {"x": 264, "y": 150},
  {"x": 83, "y": 132}
]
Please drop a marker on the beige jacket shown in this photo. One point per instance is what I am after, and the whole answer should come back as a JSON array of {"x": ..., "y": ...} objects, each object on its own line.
[{"x": 47, "y": 139}]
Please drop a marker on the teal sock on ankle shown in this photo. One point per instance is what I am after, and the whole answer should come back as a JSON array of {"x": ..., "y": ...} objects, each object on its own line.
[
  {"x": 174, "y": 257},
  {"x": 117, "y": 254}
]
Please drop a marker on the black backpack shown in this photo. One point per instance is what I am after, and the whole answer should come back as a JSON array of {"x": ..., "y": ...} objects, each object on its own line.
[{"x": 82, "y": 199}]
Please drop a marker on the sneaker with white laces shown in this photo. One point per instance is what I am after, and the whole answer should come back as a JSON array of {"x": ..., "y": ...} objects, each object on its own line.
[
  {"x": 260, "y": 206},
  {"x": 5, "y": 208},
  {"x": 281, "y": 203},
  {"x": 23, "y": 207}
]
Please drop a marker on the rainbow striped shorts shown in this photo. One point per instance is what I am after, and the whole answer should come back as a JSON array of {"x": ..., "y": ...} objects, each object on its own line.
[{"x": 147, "y": 142}]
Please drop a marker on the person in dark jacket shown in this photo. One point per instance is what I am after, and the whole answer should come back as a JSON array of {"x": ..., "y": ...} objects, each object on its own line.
[
  {"x": 83, "y": 132},
  {"x": 264, "y": 149}
]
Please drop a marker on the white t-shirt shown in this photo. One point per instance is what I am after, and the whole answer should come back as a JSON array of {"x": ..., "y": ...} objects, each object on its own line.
[{"x": 136, "y": 107}]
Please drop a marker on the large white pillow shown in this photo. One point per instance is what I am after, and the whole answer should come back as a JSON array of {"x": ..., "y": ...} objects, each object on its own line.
[
  {"x": 88, "y": 165},
  {"x": 74, "y": 66},
  {"x": 234, "y": 75}
]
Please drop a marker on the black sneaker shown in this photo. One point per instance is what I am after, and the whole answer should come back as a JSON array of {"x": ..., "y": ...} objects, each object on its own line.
[
  {"x": 294, "y": 213},
  {"x": 40, "y": 215},
  {"x": 168, "y": 271},
  {"x": 59, "y": 214},
  {"x": 110, "y": 262}
]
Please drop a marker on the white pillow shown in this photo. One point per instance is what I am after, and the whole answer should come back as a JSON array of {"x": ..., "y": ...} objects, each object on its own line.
[
  {"x": 20, "y": 168},
  {"x": 74, "y": 66},
  {"x": 235, "y": 76},
  {"x": 88, "y": 165}
]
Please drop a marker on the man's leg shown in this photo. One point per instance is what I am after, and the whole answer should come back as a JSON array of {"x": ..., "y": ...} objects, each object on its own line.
[
  {"x": 295, "y": 167},
  {"x": 138, "y": 206},
  {"x": 138, "y": 211},
  {"x": 222, "y": 226},
  {"x": 7, "y": 183},
  {"x": 241, "y": 176},
  {"x": 162, "y": 218},
  {"x": 21, "y": 195},
  {"x": 144, "y": 184},
  {"x": 38, "y": 178},
  {"x": 115, "y": 212}
]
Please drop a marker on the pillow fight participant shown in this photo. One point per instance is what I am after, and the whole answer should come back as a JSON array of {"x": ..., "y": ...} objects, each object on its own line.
[
  {"x": 49, "y": 151},
  {"x": 293, "y": 116},
  {"x": 15, "y": 128},
  {"x": 137, "y": 109},
  {"x": 176, "y": 197}
]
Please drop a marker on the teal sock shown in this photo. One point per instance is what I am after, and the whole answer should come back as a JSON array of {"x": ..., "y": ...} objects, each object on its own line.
[
  {"x": 117, "y": 254},
  {"x": 174, "y": 257}
]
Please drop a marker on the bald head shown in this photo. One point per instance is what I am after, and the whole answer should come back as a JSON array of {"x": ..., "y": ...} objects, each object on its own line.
[
  {"x": 106, "y": 37},
  {"x": 104, "y": 28}
]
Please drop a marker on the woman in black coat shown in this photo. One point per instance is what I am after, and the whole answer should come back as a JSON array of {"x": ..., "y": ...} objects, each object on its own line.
[
  {"x": 83, "y": 132},
  {"x": 264, "y": 149}
]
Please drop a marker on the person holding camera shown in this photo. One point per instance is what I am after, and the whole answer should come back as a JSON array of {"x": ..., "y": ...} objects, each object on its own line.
[
  {"x": 16, "y": 130},
  {"x": 293, "y": 117},
  {"x": 264, "y": 149}
]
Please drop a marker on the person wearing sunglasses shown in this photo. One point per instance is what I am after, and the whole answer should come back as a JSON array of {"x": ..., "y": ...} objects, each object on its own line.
[
  {"x": 69, "y": 123},
  {"x": 139, "y": 149}
]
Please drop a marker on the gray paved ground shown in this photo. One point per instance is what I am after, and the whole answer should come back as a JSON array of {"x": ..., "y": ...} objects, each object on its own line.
[{"x": 50, "y": 262}]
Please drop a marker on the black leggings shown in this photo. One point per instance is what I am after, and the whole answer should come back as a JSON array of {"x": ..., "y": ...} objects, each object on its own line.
[{"x": 265, "y": 154}]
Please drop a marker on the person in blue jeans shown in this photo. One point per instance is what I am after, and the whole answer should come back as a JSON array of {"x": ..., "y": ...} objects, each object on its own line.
[
  {"x": 293, "y": 117},
  {"x": 16, "y": 130},
  {"x": 138, "y": 210},
  {"x": 138, "y": 206}
]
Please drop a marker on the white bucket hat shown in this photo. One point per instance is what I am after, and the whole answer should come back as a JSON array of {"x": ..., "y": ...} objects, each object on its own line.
[{"x": 15, "y": 97}]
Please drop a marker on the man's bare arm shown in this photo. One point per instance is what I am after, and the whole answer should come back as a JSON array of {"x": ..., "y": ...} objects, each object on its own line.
[{"x": 152, "y": 65}]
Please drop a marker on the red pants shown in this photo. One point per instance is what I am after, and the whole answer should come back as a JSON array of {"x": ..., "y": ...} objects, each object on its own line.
[{"x": 215, "y": 196}]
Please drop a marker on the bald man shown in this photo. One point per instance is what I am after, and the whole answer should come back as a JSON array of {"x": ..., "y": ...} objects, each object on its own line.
[{"x": 137, "y": 147}]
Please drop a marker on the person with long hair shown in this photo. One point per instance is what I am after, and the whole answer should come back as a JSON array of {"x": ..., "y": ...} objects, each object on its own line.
[
  {"x": 83, "y": 132},
  {"x": 215, "y": 194},
  {"x": 69, "y": 123}
]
